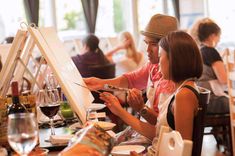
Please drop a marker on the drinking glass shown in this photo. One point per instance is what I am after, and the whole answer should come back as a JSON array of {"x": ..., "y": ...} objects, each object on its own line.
[
  {"x": 49, "y": 105},
  {"x": 22, "y": 132}
]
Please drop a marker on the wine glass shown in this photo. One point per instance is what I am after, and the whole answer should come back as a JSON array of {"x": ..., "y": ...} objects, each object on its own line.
[
  {"x": 49, "y": 105},
  {"x": 22, "y": 132}
]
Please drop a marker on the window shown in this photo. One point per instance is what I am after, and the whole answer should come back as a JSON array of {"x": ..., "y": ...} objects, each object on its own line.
[
  {"x": 110, "y": 17},
  {"x": 225, "y": 18},
  {"x": 70, "y": 19},
  {"x": 10, "y": 20},
  {"x": 146, "y": 9}
]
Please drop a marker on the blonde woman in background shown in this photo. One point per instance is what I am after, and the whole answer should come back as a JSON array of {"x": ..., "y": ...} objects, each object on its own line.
[
  {"x": 125, "y": 55},
  {"x": 193, "y": 31}
]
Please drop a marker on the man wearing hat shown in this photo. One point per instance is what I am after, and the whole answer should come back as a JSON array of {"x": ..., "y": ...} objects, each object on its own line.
[{"x": 148, "y": 76}]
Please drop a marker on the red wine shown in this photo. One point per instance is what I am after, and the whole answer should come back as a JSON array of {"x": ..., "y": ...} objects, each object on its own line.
[
  {"x": 16, "y": 106},
  {"x": 50, "y": 110}
]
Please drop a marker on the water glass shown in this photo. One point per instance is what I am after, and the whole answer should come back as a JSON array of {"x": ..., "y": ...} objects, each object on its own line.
[{"x": 22, "y": 132}]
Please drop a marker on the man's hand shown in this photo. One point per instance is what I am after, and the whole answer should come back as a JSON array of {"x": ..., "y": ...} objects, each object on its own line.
[
  {"x": 135, "y": 99},
  {"x": 94, "y": 83}
]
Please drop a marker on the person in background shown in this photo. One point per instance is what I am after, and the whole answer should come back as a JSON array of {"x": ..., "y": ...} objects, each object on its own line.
[
  {"x": 147, "y": 77},
  {"x": 193, "y": 31},
  {"x": 214, "y": 72},
  {"x": 91, "y": 55},
  {"x": 214, "y": 75},
  {"x": 179, "y": 110},
  {"x": 8, "y": 40},
  {"x": 125, "y": 55}
]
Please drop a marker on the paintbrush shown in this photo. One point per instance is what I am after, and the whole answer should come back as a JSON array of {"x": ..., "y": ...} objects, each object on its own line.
[{"x": 87, "y": 88}]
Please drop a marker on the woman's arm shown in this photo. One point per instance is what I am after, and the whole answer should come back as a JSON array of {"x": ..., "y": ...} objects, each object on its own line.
[
  {"x": 123, "y": 45},
  {"x": 184, "y": 108},
  {"x": 113, "y": 104},
  {"x": 220, "y": 71}
]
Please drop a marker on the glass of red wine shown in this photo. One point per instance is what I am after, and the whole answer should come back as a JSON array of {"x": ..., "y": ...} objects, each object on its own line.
[{"x": 49, "y": 105}]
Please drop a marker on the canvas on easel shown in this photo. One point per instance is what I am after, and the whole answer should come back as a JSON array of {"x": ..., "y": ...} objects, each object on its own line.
[
  {"x": 64, "y": 69},
  {"x": 8, "y": 69},
  {"x": 59, "y": 61}
]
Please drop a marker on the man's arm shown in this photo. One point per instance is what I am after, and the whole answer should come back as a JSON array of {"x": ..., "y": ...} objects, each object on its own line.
[{"x": 97, "y": 83}]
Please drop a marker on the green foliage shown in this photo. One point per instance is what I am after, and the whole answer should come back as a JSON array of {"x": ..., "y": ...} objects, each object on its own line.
[
  {"x": 71, "y": 18},
  {"x": 118, "y": 16}
]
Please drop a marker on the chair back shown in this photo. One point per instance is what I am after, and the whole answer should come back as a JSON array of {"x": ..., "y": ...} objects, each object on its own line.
[
  {"x": 103, "y": 71},
  {"x": 172, "y": 144},
  {"x": 230, "y": 66},
  {"x": 198, "y": 126}
]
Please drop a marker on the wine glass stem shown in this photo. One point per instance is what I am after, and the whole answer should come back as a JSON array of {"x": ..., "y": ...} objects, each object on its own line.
[{"x": 52, "y": 126}]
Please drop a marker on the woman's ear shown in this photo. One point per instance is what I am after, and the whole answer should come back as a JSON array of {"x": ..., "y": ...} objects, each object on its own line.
[{"x": 214, "y": 39}]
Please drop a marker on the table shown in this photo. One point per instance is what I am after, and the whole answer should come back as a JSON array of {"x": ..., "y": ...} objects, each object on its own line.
[{"x": 44, "y": 134}]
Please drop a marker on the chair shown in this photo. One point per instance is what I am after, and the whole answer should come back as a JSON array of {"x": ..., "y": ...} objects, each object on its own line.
[
  {"x": 103, "y": 71},
  {"x": 220, "y": 124},
  {"x": 172, "y": 144},
  {"x": 198, "y": 125},
  {"x": 230, "y": 65}
]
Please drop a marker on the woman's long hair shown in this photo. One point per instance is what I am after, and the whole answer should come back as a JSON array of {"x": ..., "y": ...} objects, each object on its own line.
[{"x": 131, "y": 50}]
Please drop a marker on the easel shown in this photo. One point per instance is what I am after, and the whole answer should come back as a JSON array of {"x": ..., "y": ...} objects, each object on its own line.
[{"x": 53, "y": 51}]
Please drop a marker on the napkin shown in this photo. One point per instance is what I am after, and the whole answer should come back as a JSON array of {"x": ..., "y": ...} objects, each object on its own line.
[{"x": 60, "y": 139}]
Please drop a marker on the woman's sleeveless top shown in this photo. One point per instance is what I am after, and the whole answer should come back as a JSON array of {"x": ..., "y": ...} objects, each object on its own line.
[{"x": 170, "y": 115}]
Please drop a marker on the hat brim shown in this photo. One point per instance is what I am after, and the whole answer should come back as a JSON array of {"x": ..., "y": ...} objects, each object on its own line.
[{"x": 151, "y": 34}]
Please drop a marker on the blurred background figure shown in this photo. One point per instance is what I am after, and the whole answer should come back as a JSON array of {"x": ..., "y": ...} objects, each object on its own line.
[
  {"x": 214, "y": 75},
  {"x": 125, "y": 55},
  {"x": 193, "y": 31},
  {"x": 90, "y": 55},
  {"x": 8, "y": 40}
]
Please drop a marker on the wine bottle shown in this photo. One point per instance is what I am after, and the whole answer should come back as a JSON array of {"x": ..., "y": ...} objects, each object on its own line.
[{"x": 16, "y": 106}]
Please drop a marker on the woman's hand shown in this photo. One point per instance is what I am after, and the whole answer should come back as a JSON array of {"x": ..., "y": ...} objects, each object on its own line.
[
  {"x": 94, "y": 83},
  {"x": 125, "y": 44},
  {"x": 135, "y": 99},
  {"x": 111, "y": 102}
]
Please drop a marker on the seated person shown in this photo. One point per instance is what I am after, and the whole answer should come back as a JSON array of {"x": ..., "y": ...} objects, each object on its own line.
[
  {"x": 214, "y": 72},
  {"x": 125, "y": 55},
  {"x": 214, "y": 75},
  {"x": 179, "y": 110},
  {"x": 147, "y": 77},
  {"x": 91, "y": 55},
  {"x": 8, "y": 40}
]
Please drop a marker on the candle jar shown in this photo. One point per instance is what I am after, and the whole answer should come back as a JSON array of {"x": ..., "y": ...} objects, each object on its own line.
[{"x": 66, "y": 110}]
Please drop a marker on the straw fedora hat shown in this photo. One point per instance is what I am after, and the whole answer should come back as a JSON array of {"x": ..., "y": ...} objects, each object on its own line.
[{"x": 159, "y": 26}]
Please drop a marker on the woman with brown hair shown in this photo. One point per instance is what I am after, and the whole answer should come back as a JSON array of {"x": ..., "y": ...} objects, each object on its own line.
[
  {"x": 91, "y": 55},
  {"x": 214, "y": 72},
  {"x": 179, "y": 110}
]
